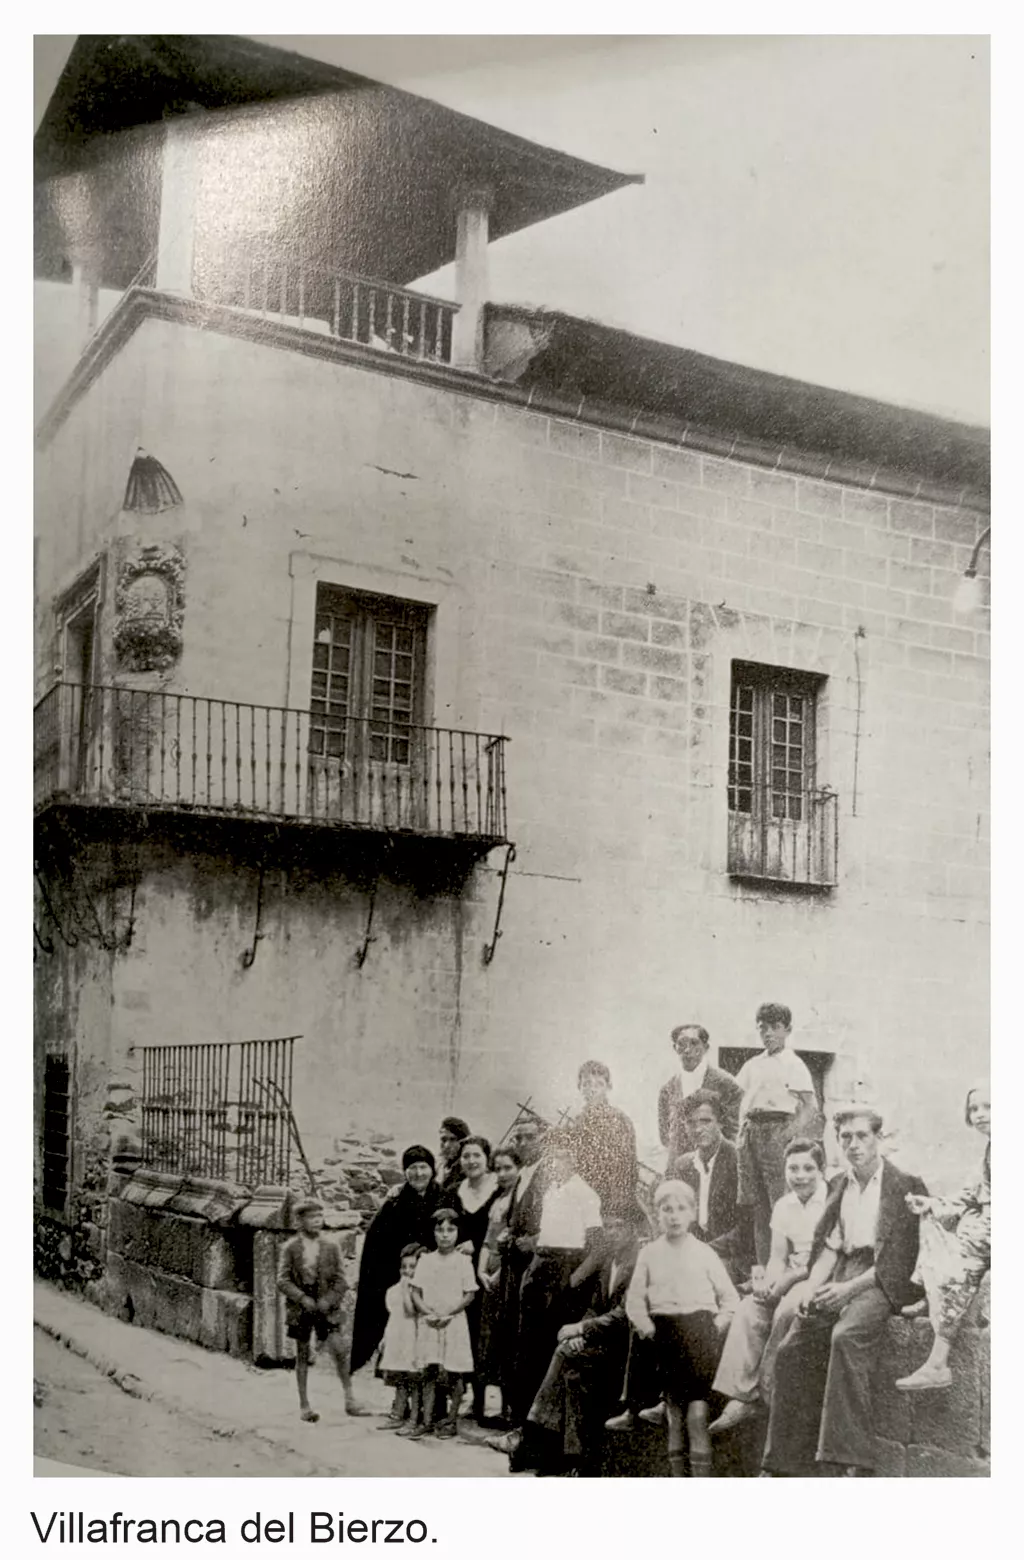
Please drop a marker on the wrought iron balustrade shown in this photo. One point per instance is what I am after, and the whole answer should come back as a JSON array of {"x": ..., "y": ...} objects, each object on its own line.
[
  {"x": 219, "y": 1109},
  {"x": 130, "y": 747},
  {"x": 362, "y": 309},
  {"x": 785, "y": 836}
]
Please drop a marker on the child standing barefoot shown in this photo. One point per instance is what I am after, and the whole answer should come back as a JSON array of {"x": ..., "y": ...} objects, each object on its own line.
[
  {"x": 310, "y": 1276},
  {"x": 442, "y": 1287},
  {"x": 681, "y": 1296},
  {"x": 399, "y": 1359}
]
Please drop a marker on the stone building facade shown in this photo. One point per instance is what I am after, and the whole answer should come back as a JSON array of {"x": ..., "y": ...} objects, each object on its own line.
[{"x": 742, "y": 731}]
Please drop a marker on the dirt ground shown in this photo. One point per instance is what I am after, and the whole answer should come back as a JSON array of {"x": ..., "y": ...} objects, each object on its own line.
[{"x": 83, "y": 1419}]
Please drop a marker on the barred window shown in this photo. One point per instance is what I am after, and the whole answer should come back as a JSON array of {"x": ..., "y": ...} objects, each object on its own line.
[
  {"x": 56, "y": 1133},
  {"x": 369, "y": 663}
]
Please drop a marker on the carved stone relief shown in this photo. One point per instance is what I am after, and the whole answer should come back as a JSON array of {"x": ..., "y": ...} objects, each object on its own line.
[{"x": 149, "y": 608}]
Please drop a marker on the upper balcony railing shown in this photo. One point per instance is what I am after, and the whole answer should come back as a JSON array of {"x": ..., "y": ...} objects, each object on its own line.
[
  {"x": 786, "y": 836},
  {"x": 361, "y": 309},
  {"x": 129, "y": 747}
]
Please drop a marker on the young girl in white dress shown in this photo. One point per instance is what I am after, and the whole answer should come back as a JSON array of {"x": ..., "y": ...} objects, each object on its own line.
[
  {"x": 442, "y": 1287},
  {"x": 399, "y": 1360}
]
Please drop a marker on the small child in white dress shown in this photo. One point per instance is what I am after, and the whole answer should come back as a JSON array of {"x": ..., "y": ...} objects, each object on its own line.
[
  {"x": 399, "y": 1360},
  {"x": 442, "y": 1287}
]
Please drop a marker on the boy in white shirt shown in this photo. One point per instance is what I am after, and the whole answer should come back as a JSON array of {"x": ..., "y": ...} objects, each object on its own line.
[
  {"x": 765, "y": 1316},
  {"x": 681, "y": 1296},
  {"x": 779, "y": 1103}
]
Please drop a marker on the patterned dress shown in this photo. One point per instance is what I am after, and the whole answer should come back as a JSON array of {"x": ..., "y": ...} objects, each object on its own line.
[{"x": 955, "y": 1250}]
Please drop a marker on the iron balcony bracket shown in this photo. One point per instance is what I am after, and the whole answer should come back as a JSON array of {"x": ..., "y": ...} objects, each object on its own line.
[
  {"x": 249, "y": 956},
  {"x": 491, "y": 947},
  {"x": 368, "y": 936}
]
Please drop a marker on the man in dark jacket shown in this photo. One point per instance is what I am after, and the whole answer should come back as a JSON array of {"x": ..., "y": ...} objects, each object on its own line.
[
  {"x": 712, "y": 1170},
  {"x": 311, "y": 1278},
  {"x": 690, "y": 1043},
  {"x": 861, "y": 1265},
  {"x": 563, "y": 1431},
  {"x": 518, "y": 1243}
]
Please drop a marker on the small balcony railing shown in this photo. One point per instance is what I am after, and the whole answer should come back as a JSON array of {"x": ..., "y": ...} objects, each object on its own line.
[
  {"x": 129, "y": 747},
  {"x": 787, "y": 837},
  {"x": 361, "y": 309}
]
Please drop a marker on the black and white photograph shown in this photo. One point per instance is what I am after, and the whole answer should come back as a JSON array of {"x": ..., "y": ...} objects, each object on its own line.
[{"x": 511, "y": 741}]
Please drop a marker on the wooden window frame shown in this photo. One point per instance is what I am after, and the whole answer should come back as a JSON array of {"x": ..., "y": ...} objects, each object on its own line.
[
  {"x": 782, "y": 821},
  {"x": 356, "y": 700},
  {"x": 773, "y": 740}
]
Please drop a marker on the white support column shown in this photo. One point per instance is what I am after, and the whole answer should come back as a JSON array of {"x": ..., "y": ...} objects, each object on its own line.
[
  {"x": 83, "y": 280},
  {"x": 179, "y": 187},
  {"x": 470, "y": 279}
]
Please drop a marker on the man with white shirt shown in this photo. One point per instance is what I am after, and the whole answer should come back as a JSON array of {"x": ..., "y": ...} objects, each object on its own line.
[
  {"x": 861, "y": 1266},
  {"x": 552, "y": 1292},
  {"x": 563, "y": 1428},
  {"x": 690, "y": 1043},
  {"x": 779, "y": 1103}
]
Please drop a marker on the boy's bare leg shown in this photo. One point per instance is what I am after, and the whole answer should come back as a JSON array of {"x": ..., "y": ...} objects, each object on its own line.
[
  {"x": 302, "y": 1378},
  {"x": 334, "y": 1345}
]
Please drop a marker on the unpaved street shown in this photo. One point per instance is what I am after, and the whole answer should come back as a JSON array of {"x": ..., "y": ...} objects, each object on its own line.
[
  {"x": 216, "y": 1418},
  {"x": 83, "y": 1418}
]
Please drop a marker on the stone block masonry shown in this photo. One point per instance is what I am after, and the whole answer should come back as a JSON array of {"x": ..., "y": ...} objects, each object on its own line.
[{"x": 590, "y": 593}]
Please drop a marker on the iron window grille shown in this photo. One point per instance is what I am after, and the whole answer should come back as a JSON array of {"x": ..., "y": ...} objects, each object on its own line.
[
  {"x": 219, "y": 1109},
  {"x": 56, "y": 1133}
]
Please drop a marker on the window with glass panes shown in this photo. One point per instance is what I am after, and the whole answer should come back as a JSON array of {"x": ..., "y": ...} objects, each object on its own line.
[
  {"x": 369, "y": 658},
  {"x": 772, "y": 757}
]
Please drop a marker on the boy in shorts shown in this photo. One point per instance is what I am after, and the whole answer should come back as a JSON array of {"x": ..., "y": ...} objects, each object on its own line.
[{"x": 311, "y": 1278}]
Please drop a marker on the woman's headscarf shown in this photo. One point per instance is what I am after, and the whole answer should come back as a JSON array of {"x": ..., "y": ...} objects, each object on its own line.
[{"x": 400, "y": 1221}]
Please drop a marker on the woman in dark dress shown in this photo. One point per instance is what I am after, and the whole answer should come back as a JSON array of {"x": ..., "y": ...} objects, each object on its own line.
[
  {"x": 401, "y": 1221},
  {"x": 472, "y": 1199}
]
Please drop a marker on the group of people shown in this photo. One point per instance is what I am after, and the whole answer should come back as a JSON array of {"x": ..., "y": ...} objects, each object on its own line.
[{"x": 572, "y": 1300}]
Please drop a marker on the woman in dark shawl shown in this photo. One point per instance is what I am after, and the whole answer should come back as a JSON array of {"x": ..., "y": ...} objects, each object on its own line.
[{"x": 402, "y": 1220}]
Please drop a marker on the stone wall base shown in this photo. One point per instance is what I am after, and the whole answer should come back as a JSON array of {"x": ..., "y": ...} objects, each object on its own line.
[
  {"x": 215, "y": 1318},
  {"x": 924, "y": 1435},
  {"x": 177, "y": 1243}
]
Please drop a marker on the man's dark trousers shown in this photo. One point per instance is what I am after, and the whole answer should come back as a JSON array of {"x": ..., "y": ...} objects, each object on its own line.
[{"x": 822, "y": 1395}]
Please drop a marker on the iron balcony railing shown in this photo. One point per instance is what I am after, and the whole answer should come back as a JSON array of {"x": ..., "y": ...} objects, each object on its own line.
[
  {"x": 362, "y": 309},
  {"x": 786, "y": 836},
  {"x": 129, "y": 747},
  {"x": 220, "y": 1109}
]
